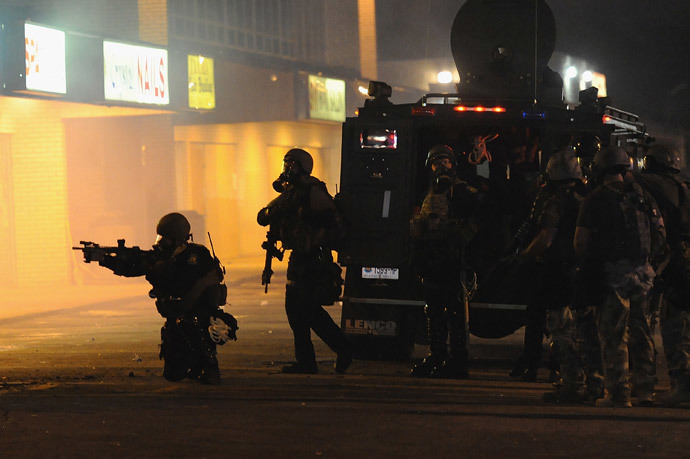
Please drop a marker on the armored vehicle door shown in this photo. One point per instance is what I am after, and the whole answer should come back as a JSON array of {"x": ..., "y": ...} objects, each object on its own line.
[{"x": 375, "y": 191}]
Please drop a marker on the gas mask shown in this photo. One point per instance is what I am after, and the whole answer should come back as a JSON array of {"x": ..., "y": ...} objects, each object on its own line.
[
  {"x": 164, "y": 246},
  {"x": 291, "y": 170},
  {"x": 442, "y": 177}
]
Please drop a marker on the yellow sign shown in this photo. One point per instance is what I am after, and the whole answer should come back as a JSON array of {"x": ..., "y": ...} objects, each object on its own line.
[
  {"x": 202, "y": 89},
  {"x": 326, "y": 98}
]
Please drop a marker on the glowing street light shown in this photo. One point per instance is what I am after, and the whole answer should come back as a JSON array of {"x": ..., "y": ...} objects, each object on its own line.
[
  {"x": 587, "y": 76},
  {"x": 571, "y": 72},
  {"x": 444, "y": 77}
]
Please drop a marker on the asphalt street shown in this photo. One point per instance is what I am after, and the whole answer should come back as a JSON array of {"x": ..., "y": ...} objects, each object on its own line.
[{"x": 80, "y": 377}]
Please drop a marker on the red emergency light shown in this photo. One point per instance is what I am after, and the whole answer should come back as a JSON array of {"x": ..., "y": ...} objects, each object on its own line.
[
  {"x": 423, "y": 111},
  {"x": 605, "y": 119},
  {"x": 463, "y": 108}
]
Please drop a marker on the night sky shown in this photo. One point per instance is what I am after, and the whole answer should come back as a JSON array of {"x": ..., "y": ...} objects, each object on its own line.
[{"x": 643, "y": 46}]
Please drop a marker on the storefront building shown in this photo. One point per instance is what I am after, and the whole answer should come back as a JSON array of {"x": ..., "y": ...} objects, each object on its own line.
[{"x": 100, "y": 137}]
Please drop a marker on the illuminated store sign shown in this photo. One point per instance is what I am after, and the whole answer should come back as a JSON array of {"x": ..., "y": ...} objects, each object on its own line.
[
  {"x": 326, "y": 98},
  {"x": 202, "y": 90},
  {"x": 44, "y": 51},
  {"x": 135, "y": 73}
]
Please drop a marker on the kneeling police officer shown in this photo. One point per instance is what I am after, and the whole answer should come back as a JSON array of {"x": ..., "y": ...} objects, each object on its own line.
[{"x": 188, "y": 287}]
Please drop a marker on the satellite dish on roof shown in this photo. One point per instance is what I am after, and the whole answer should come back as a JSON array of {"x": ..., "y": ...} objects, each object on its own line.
[{"x": 500, "y": 45}]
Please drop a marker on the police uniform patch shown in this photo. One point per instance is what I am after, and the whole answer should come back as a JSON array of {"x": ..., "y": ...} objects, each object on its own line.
[{"x": 192, "y": 260}]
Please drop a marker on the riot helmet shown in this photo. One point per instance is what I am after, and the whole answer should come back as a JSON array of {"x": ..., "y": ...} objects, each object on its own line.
[
  {"x": 441, "y": 162},
  {"x": 296, "y": 162},
  {"x": 662, "y": 157},
  {"x": 563, "y": 165},
  {"x": 301, "y": 157},
  {"x": 173, "y": 230},
  {"x": 438, "y": 153},
  {"x": 611, "y": 159}
]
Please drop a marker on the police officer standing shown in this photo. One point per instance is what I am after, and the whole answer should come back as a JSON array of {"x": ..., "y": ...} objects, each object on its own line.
[
  {"x": 660, "y": 176},
  {"x": 552, "y": 249},
  {"x": 439, "y": 233},
  {"x": 187, "y": 285},
  {"x": 307, "y": 221},
  {"x": 618, "y": 229}
]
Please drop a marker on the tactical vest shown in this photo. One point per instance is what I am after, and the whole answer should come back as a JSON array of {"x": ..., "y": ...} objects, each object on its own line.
[
  {"x": 561, "y": 249},
  {"x": 634, "y": 242},
  {"x": 299, "y": 224}
]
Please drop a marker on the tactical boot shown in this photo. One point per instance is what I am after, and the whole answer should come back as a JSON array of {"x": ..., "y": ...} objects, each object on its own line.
[
  {"x": 342, "y": 362},
  {"x": 592, "y": 394},
  {"x": 425, "y": 368},
  {"x": 529, "y": 375},
  {"x": 645, "y": 398},
  {"x": 210, "y": 376},
  {"x": 676, "y": 396},
  {"x": 555, "y": 378},
  {"x": 523, "y": 372},
  {"x": 610, "y": 401},
  {"x": 455, "y": 366}
]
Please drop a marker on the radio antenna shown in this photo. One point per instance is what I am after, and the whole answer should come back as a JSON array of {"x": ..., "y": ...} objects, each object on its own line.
[
  {"x": 536, "y": 49},
  {"x": 213, "y": 251}
]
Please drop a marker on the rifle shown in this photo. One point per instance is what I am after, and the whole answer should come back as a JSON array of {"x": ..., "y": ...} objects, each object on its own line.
[
  {"x": 96, "y": 252},
  {"x": 269, "y": 245}
]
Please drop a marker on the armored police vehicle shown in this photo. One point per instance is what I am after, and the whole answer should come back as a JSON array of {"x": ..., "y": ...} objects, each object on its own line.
[{"x": 507, "y": 117}]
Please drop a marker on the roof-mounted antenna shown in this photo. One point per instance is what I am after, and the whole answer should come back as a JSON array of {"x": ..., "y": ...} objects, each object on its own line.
[{"x": 536, "y": 38}]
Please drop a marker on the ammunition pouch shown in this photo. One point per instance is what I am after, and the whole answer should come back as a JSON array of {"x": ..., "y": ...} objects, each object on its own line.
[
  {"x": 322, "y": 280},
  {"x": 222, "y": 294}
]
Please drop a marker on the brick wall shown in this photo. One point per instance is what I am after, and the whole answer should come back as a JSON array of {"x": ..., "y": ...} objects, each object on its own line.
[
  {"x": 153, "y": 21},
  {"x": 367, "y": 38},
  {"x": 40, "y": 203},
  {"x": 39, "y": 188}
]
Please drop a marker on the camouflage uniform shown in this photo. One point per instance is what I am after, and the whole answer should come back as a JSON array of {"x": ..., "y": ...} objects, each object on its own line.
[
  {"x": 589, "y": 350},
  {"x": 558, "y": 273},
  {"x": 439, "y": 233},
  {"x": 671, "y": 194},
  {"x": 623, "y": 219},
  {"x": 624, "y": 328}
]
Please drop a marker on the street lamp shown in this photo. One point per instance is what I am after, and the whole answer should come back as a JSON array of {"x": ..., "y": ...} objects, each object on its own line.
[{"x": 444, "y": 77}]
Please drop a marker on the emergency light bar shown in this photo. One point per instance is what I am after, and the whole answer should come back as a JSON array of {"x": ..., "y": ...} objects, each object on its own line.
[
  {"x": 622, "y": 120},
  {"x": 464, "y": 108},
  {"x": 423, "y": 111}
]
